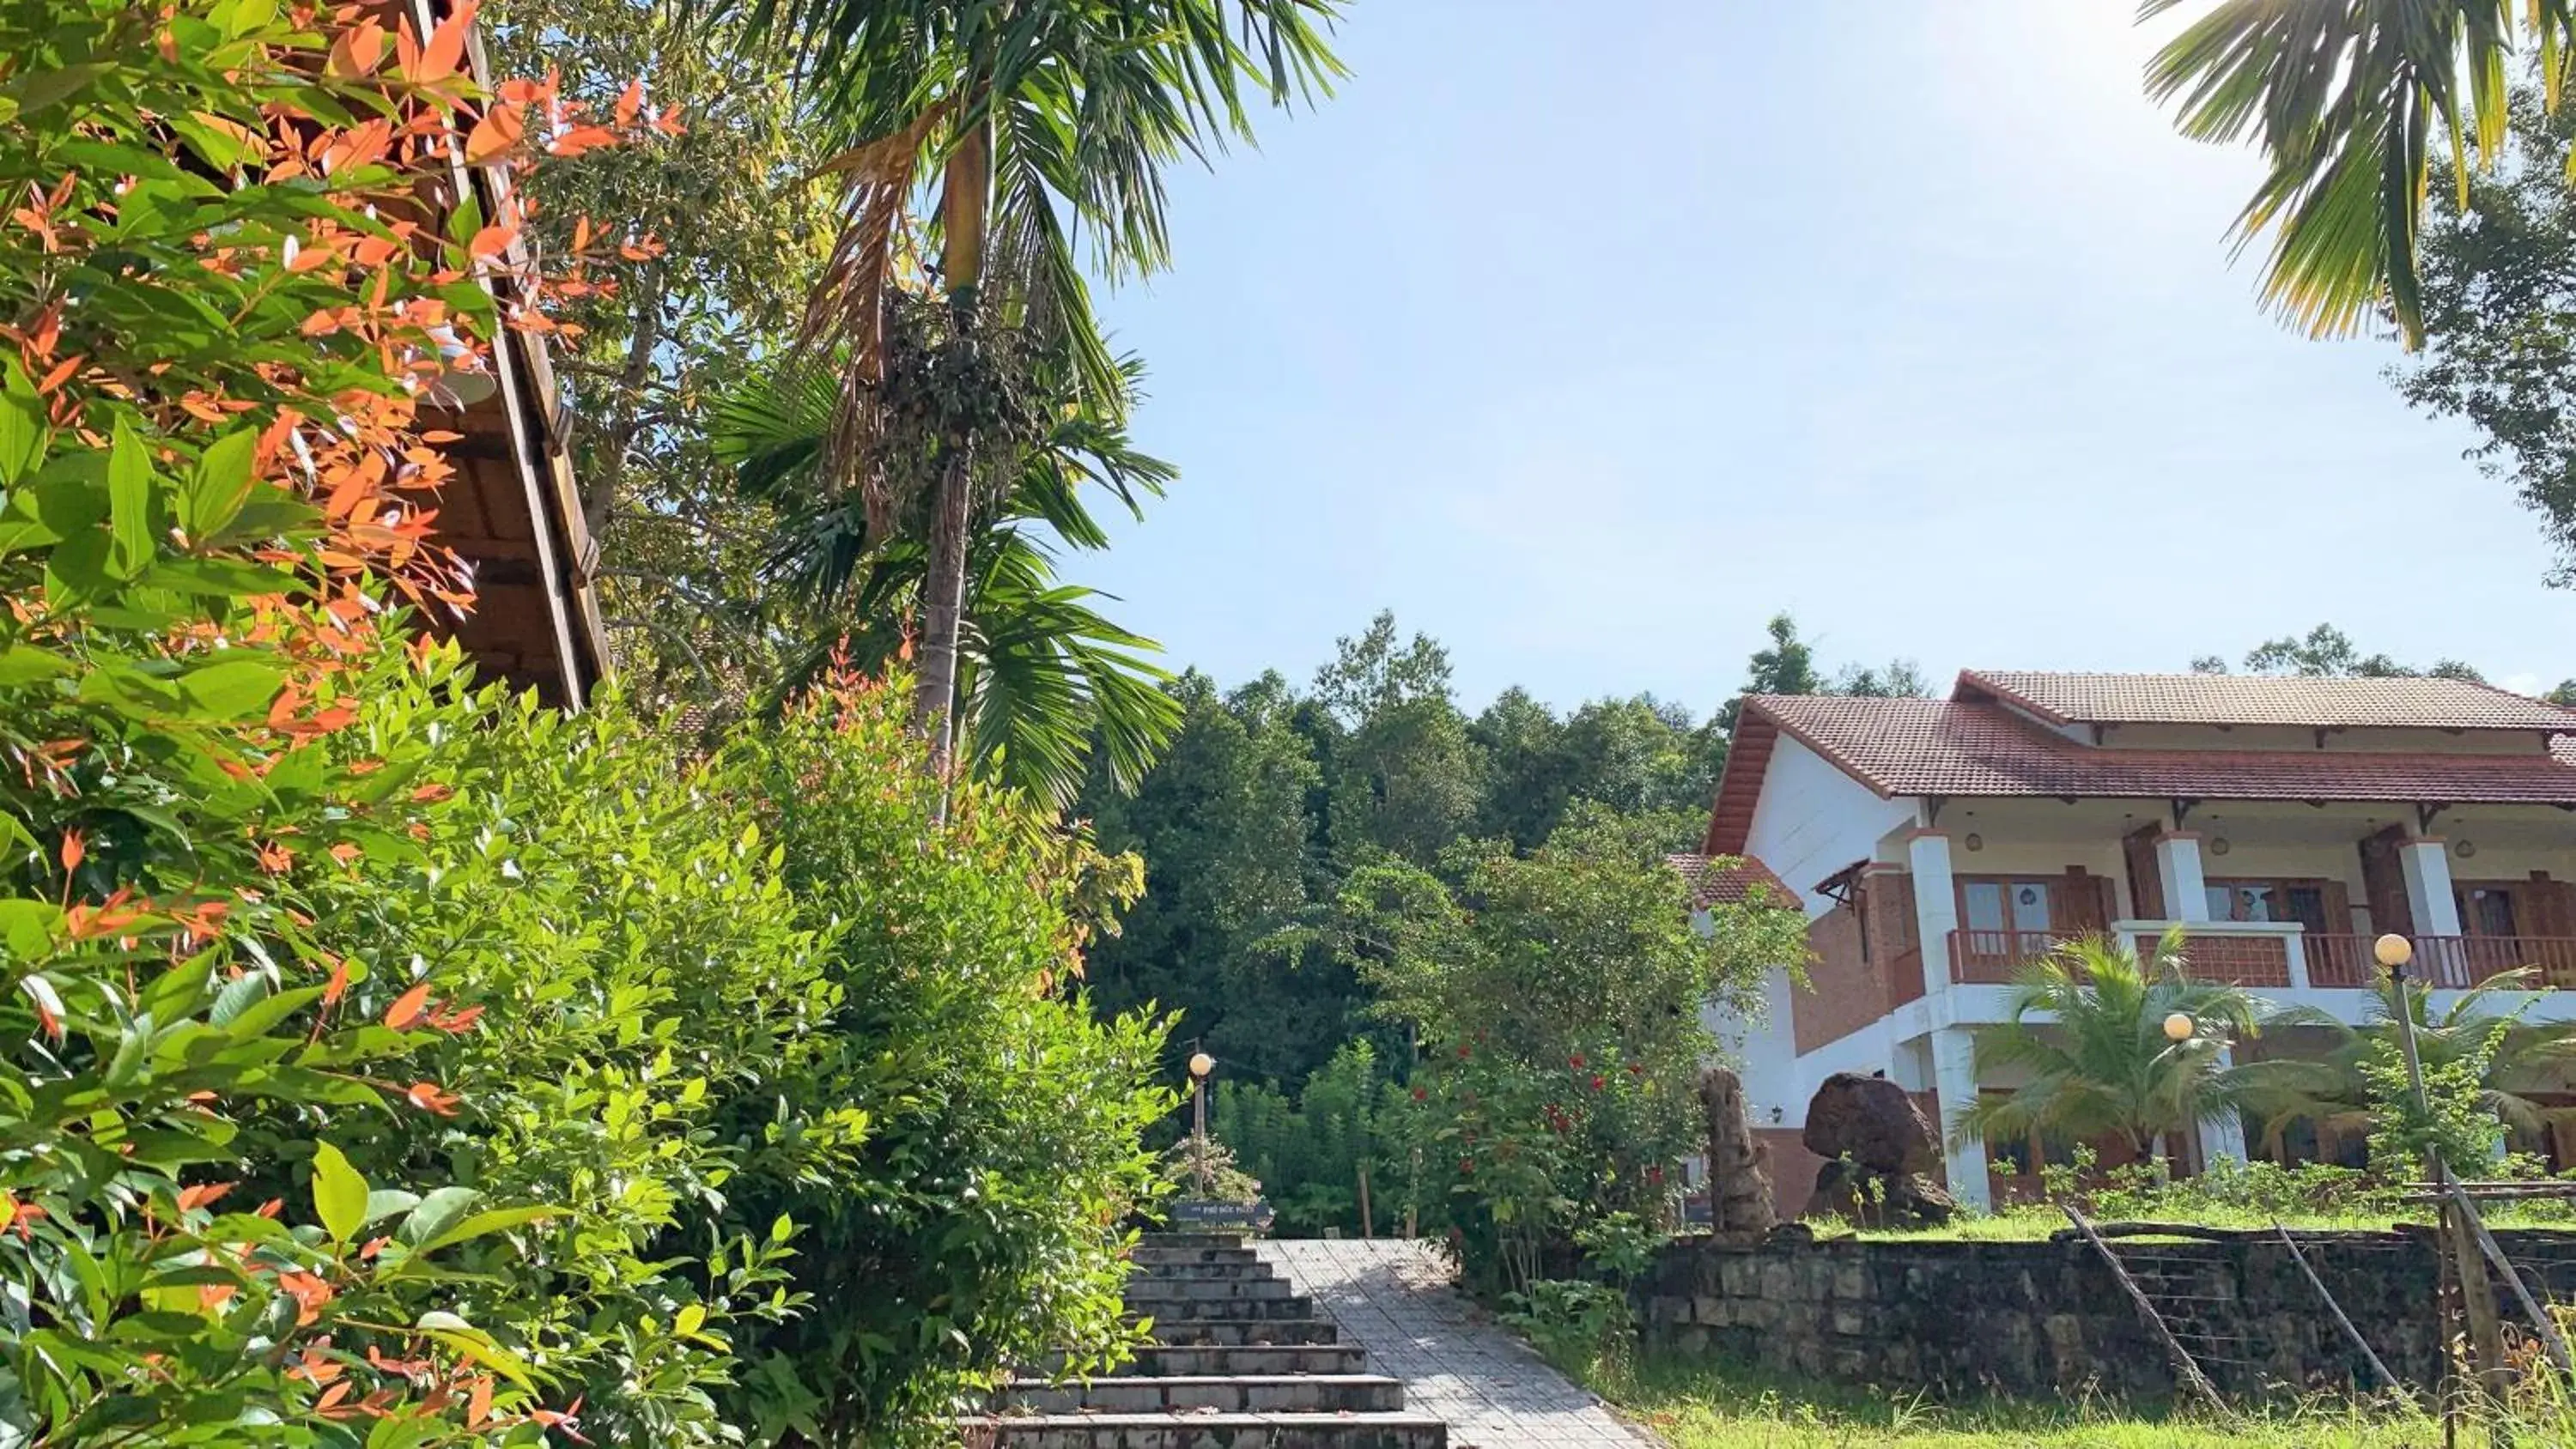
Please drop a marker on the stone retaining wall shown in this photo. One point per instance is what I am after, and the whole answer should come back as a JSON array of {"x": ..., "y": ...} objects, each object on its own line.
[{"x": 2045, "y": 1318}]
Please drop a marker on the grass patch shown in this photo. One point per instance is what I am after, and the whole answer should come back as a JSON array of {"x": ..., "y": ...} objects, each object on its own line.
[
  {"x": 1706, "y": 1405},
  {"x": 2026, "y": 1224}
]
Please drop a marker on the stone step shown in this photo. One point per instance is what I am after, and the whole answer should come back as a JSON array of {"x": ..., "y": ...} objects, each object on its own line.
[
  {"x": 1206, "y": 1431},
  {"x": 1255, "y": 1359},
  {"x": 1191, "y": 1240},
  {"x": 1150, "y": 1255},
  {"x": 1229, "y": 1394},
  {"x": 1176, "y": 1310},
  {"x": 1218, "y": 1272},
  {"x": 1202, "y": 1360},
  {"x": 1142, "y": 1290},
  {"x": 1244, "y": 1332}
]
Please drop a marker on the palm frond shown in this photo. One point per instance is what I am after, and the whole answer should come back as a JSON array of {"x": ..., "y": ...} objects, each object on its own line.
[
  {"x": 2086, "y": 1033},
  {"x": 1047, "y": 677},
  {"x": 2342, "y": 96}
]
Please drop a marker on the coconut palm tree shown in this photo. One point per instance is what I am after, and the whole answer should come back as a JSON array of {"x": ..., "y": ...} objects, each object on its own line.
[
  {"x": 2344, "y": 96},
  {"x": 2332, "y": 1091},
  {"x": 1042, "y": 677},
  {"x": 1023, "y": 122},
  {"x": 2087, "y": 1038}
]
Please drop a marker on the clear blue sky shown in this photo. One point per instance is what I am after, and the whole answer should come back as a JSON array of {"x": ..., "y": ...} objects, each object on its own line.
[{"x": 1585, "y": 347}]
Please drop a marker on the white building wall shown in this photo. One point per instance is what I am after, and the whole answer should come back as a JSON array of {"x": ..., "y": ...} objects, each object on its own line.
[{"x": 1812, "y": 820}]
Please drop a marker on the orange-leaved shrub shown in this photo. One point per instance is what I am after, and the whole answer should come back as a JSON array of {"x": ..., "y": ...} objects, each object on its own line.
[
  {"x": 232, "y": 262},
  {"x": 393, "y": 1062}
]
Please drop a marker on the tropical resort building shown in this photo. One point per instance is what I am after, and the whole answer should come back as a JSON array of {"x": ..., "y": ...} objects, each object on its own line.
[{"x": 1939, "y": 845}]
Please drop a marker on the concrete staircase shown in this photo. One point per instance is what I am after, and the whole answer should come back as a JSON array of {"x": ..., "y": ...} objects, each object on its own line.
[{"x": 1238, "y": 1362}]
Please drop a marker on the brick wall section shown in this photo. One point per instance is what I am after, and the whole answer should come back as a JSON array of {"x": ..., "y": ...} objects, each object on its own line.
[
  {"x": 1849, "y": 988},
  {"x": 2042, "y": 1319},
  {"x": 1793, "y": 1170},
  {"x": 1843, "y": 993},
  {"x": 1887, "y": 915}
]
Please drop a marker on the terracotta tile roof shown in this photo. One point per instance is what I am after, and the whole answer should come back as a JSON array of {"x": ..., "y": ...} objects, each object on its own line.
[
  {"x": 1731, "y": 881},
  {"x": 1947, "y": 747},
  {"x": 2247, "y": 699}
]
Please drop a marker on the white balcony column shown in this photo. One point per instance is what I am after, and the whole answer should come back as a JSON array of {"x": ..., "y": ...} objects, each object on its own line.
[
  {"x": 2178, "y": 871},
  {"x": 2224, "y": 1138},
  {"x": 1936, "y": 905},
  {"x": 2427, "y": 865},
  {"x": 1954, "y": 1076}
]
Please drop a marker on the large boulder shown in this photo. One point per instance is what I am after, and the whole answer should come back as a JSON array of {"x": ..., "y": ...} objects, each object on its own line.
[
  {"x": 1880, "y": 1152},
  {"x": 1872, "y": 1122}
]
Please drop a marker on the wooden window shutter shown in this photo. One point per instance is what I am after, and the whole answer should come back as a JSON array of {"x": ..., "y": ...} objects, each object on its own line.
[
  {"x": 2078, "y": 906},
  {"x": 2146, "y": 887}
]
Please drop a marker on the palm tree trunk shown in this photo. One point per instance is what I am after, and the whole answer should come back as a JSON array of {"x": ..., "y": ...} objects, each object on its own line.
[
  {"x": 966, "y": 192},
  {"x": 943, "y": 607}
]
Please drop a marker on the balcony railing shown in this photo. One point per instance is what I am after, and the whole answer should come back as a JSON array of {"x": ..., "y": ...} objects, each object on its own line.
[
  {"x": 2276, "y": 954},
  {"x": 2447, "y": 962},
  {"x": 2216, "y": 951},
  {"x": 1992, "y": 957}
]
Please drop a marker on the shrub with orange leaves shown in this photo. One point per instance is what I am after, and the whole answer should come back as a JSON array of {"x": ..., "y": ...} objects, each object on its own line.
[{"x": 240, "y": 253}]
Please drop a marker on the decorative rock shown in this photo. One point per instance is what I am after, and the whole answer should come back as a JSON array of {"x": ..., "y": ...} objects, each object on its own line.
[
  {"x": 1871, "y": 1121},
  {"x": 1739, "y": 1168},
  {"x": 1879, "y": 1149}
]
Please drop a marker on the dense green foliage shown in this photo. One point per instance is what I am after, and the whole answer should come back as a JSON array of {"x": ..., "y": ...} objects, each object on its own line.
[
  {"x": 1330, "y": 1146},
  {"x": 396, "y": 1063},
  {"x": 213, "y": 486},
  {"x": 1557, "y": 996},
  {"x": 1271, "y": 798},
  {"x": 2499, "y": 288}
]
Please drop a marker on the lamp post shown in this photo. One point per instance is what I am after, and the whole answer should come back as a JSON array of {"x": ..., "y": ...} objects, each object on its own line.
[
  {"x": 1200, "y": 1065},
  {"x": 2477, "y": 1294}
]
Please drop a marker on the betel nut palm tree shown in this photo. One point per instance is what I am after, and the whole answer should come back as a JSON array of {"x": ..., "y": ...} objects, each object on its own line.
[
  {"x": 2087, "y": 1040},
  {"x": 1037, "y": 132},
  {"x": 1044, "y": 681},
  {"x": 2344, "y": 98}
]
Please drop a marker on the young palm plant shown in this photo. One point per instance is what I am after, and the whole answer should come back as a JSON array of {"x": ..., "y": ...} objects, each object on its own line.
[
  {"x": 2333, "y": 1091},
  {"x": 1022, "y": 123},
  {"x": 2087, "y": 1039}
]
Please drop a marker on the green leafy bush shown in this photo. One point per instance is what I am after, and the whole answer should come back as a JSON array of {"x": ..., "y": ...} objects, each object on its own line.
[
  {"x": 397, "y": 1064},
  {"x": 980, "y": 1223},
  {"x": 215, "y": 487},
  {"x": 1558, "y": 996},
  {"x": 1312, "y": 1152}
]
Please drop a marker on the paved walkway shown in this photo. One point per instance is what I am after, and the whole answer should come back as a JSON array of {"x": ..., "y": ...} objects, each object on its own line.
[{"x": 1456, "y": 1362}]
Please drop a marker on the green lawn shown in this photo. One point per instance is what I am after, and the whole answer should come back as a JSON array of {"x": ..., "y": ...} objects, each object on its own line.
[
  {"x": 1707, "y": 1406},
  {"x": 2022, "y": 1224}
]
